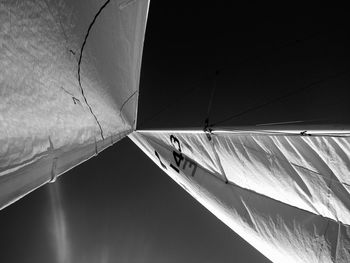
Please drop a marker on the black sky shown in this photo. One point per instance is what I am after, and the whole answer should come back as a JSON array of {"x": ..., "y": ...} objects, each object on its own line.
[
  {"x": 119, "y": 207},
  {"x": 259, "y": 52}
]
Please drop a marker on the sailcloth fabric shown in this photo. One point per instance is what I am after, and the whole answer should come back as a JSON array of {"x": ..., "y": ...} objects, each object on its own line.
[
  {"x": 68, "y": 85},
  {"x": 286, "y": 193}
]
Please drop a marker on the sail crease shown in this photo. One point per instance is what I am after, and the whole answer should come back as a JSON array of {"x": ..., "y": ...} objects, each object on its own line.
[
  {"x": 282, "y": 232},
  {"x": 166, "y": 147}
]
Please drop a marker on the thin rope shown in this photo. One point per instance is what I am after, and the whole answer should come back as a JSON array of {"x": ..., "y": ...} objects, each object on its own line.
[
  {"x": 272, "y": 50},
  {"x": 289, "y": 122},
  {"x": 292, "y": 93},
  {"x": 211, "y": 98}
]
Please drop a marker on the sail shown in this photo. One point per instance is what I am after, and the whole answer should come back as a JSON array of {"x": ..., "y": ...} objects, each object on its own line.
[
  {"x": 286, "y": 192},
  {"x": 68, "y": 85}
]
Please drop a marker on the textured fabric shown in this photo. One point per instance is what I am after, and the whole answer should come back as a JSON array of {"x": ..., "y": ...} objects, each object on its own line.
[
  {"x": 69, "y": 79},
  {"x": 286, "y": 194}
]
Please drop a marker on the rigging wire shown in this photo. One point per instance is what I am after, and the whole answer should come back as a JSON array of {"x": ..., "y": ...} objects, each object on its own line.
[
  {"x": 271, "y": 50},
  {"x": 243, "y": 62},
  {"x": 206, "y": 127},
  {"x": 290, "y": 122},
  {"x": 211, "y": 98},
  {"x": 268, "y": 53},
  {"x": 292, "y": 93}
]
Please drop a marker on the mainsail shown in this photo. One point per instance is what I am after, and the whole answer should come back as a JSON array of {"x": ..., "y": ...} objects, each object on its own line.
[
  {"x": 68, "y": 85},
  {"x": 286, "y": 192}
]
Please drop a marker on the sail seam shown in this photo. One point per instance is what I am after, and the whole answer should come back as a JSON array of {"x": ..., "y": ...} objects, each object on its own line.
[{"x": 80, "y": 59}]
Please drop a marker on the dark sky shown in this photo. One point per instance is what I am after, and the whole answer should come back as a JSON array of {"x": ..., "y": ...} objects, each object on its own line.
[
  {"x": 254, "y": 54},
  {"x": 119, "y": 206}
]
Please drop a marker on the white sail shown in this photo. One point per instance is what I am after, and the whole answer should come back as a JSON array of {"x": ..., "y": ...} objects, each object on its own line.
[
  {"x": 287, "y": 193},
  {"x": 68, "y": 85}
]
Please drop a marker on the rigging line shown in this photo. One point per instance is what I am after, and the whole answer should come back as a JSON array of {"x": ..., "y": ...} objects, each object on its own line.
[
  {"x": 281, "y": 133},
  {"x": 212, "y": 93},
  {"x": 211, "y": 98},
  {"x": 195, "y": 88},
  {"x": 271, "y": 50},
  {"x": 79, "y": 63},
  {"x": 289, "y": 122},
  {"x": 257, "y": 107},
  {"x": 206, "y": 128}
]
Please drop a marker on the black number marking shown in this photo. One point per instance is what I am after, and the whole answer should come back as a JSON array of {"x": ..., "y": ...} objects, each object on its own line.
[
  {"x": 174, "y": 140},
  {"x": 191, "y": 163},
  {"x": 178, "y": 158},
  {"x": 162, "y": 164},
  {"x": 176, "y": 169},
  {"x": 75, "y": 100}
]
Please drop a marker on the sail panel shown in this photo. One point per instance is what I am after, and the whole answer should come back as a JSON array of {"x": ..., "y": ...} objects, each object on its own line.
[
  {"x": 308, "y": 172},
  {"x": 278, "y": 229},
  {"x": 47, "y": 167},
  {"x": 113, "y": 49},
  {"x": 70, "y": 75}
]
